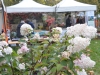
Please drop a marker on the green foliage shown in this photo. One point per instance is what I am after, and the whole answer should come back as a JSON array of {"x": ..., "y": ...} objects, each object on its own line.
[
  {"x": 93, "y": 2},
  {"x": 40, "y": 57},
  {"x": 95, "y": 52},
  {"x": 45, "y": 2}
]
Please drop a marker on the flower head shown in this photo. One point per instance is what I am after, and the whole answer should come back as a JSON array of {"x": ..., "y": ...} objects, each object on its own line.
[
  {"x": 57, "y": 30},
  {"x": 23, "y": 49},
  {"x": 83, "y": 72},
  {"x": 36, "y": 36},
  {"x": 77, "y": 44},
  {"x": 82, "y": 30},
  {"x": 8, "y": 50},
  {"x": 21, "y": 66},
  {"x": 26, "y": 29},
  {"x": 65, "y": 54},
  {"x": 84, "y": 62},
  {"x": 3, "y": 43}
]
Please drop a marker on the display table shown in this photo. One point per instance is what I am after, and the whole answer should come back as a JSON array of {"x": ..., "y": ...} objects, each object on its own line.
[{"x": 13, "y": 42}]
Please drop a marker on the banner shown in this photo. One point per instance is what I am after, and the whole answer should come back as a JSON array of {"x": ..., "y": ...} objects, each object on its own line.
[{"x": 90, "y": 18}]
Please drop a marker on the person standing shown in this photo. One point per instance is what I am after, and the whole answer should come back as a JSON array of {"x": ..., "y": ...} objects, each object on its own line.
[
  {"x": 30, "y": 23},
  {"x": 18, "y": 29},
  {"x": 68, "y": 21}
]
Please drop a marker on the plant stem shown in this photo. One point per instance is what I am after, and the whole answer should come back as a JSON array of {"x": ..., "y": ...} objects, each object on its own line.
[{"x": 12, "y": 68}]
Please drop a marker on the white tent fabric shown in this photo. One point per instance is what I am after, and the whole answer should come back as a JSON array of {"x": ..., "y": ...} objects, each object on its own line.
[
  {"x": 72, "y": 5},
  {"x": 29, "y": 6}
]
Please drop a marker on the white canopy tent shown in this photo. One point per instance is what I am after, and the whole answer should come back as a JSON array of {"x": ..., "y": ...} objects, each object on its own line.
[
  {"x": 63, "y": 6},
  {"x": 72, "y": 5},
  {"x": 29, "y": 6}
]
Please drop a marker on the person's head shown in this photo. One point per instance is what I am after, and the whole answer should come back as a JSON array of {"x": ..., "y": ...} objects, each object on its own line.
[
  {"x": 69, "y": 16},
  {"x": 27, "y": 20},
  {"x": 22, "y": 21},
  {"x": 66, "y": 14},
  {"x": 49, "y": 17}
]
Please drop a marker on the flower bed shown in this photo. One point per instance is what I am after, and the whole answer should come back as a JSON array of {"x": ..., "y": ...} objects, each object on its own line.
[{"x": 68, "y": 55}]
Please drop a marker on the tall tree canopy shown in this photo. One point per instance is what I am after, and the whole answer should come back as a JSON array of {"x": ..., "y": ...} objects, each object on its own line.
[
  {"x": 94, "y": 2},
  {"x": 46, "y": 2}
]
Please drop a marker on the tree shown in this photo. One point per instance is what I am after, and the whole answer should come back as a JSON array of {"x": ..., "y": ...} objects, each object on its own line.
[
  {"x": 94, "y": 2},
  {"x": 10, "y": 2},
  {"x": 46, "y": 2}
]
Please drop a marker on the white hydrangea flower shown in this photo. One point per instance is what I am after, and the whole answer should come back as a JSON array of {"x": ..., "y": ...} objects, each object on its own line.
[
  {"x": 36, "y": 36},
  {"x": 57, "y": 30},
  {"x": 21, "y": 66},
  {"x": 22, "y": 44},
  {"x": 23, "y": 49},
  {"x": 3, "y": 43},
  {"x": 89, "y": 32},
  {"x": 65, "y": 54},
  {"x": 26, "y": 29},
  {"x": 83, "y": 72},
  {"x": 84, "y": 62},
  {"x": 78, "y": 44},
  {"x": 81, "y": 30},
  {"x": 75, "y": 30},
  {"x": 8, "y": 50}
]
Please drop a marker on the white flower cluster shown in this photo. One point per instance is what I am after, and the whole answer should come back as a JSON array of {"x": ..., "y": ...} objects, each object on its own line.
[
  {"x": 57, "y": 30},
  {"x": 36, "y": 36},
  {"x": 26, "y": 29},
  {"x": 8, "y": 50},
  {"x": 81, "y": 30},
  {"x": 3, "y": 43},
  {"x": 84, "y": 62},
  {"x": 23, "y": 50},
  {"x": 4, "y": 48},
  {"x": 22, "y": 44},
  {"x": 65, "y": 54},
  {"x": 77, "y": 44},
  {"x": 83, "y": 72},
  {"x": 21, "y": 66},
  {"x": 89, "y": 32}
]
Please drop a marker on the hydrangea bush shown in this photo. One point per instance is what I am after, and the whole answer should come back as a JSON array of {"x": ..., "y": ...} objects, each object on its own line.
[{"x": 67, "y": 55}]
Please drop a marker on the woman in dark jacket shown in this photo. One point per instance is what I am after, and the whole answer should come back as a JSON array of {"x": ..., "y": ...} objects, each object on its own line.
[
  {"x": 18, "y": 29},
  {"x": 68, "y": 21}
]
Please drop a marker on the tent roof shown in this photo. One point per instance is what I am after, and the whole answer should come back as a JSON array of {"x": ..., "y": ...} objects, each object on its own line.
[
  {"x": 72, "y": 5},
  {"x": 28, "y": 6}
]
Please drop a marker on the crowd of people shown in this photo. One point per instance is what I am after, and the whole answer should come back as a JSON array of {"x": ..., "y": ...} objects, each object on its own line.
[{"x": 72, "y": 20}]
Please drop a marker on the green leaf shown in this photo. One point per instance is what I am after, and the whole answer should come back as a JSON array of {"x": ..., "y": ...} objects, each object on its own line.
[
  {"x": 70, "y": 64},
  {"x": 53, "y": 70},
  {"x": 45, "y": 42},
  {"x": 59, "y": 67},
  {"x": 14, "y": 54},
  {"x": 8, "y": 58},
  {"x": 64, "y": 62},
  {"x": 54, "y": 61},
  {"x": 2, "y": 58},
  {"x": 39, "y": 65}
]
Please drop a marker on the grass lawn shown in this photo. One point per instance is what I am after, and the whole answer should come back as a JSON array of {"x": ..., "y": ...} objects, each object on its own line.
[{"x": 95, "y": 54}]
